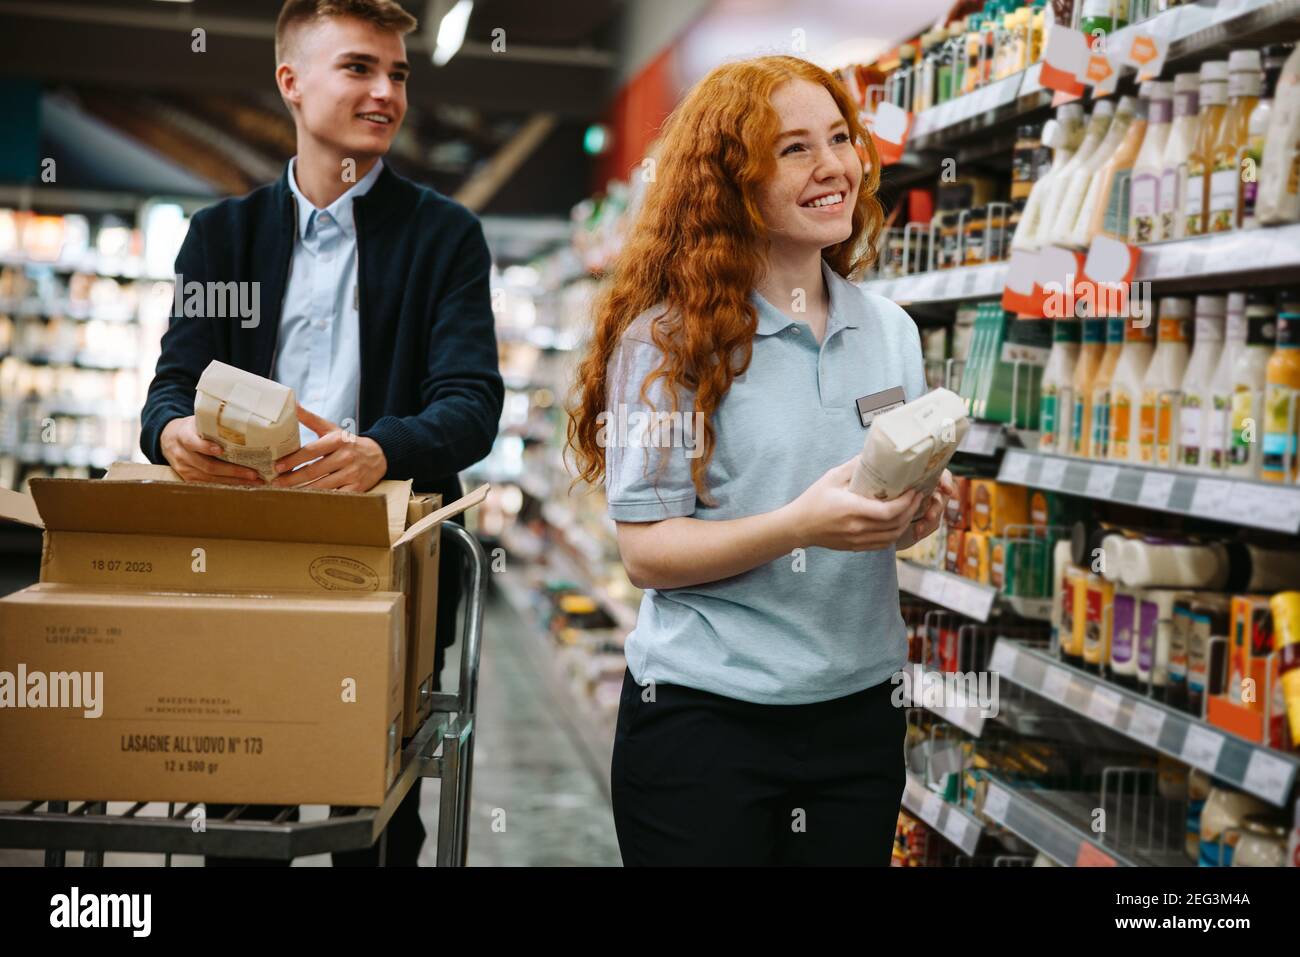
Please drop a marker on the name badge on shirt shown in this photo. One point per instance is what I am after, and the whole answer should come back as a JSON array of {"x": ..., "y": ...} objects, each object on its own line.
[{"x": 870, "y": 406}]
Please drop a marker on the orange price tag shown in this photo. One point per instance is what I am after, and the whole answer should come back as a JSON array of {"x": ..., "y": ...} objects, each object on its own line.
[
  {"x": 1143, "y": 50},
  {"x": 1098, "y": 69},
  {"x": 1089, "y": 856}
]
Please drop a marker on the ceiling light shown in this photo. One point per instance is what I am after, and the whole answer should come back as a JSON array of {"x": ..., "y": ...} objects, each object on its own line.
[{"x": 451, "y": 32}]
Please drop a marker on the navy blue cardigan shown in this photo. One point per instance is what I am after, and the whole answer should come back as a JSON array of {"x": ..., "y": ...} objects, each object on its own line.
[{"x": 430, "y": 391}]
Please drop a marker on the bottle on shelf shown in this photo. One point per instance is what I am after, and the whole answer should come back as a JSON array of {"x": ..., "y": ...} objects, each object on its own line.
[
  {"x": 1126, "y": 389},
  {"x": 1101, "y": 388},
  {"x": 1144, "y": 188},
  {"x": 1063, "y": 135},
  {"x": 1056, "y": 398},
  {"x": 1103, "y": 17},
  {"x": 1213, "y": 99},
  {"x": 1170, "y": 223},
  {"x": 1085, "y": 372},
  {"x": 1282, "y": 399},
  {"x": 1279, "y": 173},
  {"x": 1106, "y": 207},
  {"x": 1252, "y": 161},
  {"x": 1162, "y": 382},
  {"x": 1218, "y": 412},
  {"x": 1094, "y": 133},
  {"x": 1249, "y": 378},
  {"x": 1085, "y": 174},
  {"x": 1197, "y": 381},
  {"x": 1244, "y": 81}
]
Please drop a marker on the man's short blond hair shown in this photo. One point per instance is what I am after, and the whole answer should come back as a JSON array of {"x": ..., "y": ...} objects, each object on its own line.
[{"x": 385, "y": 14}]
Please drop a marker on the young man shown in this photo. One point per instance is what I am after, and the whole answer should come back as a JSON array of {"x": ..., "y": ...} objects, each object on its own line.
[{"x": 373, "y": 295}]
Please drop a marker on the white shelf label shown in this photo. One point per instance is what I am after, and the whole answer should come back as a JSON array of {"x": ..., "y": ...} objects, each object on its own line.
[
  {"x": 1280, "y": 507},
  {"x": 1053, "y": 474},
  {"x": 1055, "y": 684},
  {"x": 1201, "y": 747},
  {"x": 996, "y": 802},
  {"x": 930, "y": 808},
  {"x": 1146, "y": 724},
  {"x": 1156, "y": 489},
  {"x": 1004, "y": 658},
  {"x": 1211, "y": 497},
  {"x": 1101, "y": 480},
  {"x": 1104, "y": 705},
  {"x": 1268, "y": 776},
  {"x": 956, "y": 827},
  {"x": 1015, "y": 466}
]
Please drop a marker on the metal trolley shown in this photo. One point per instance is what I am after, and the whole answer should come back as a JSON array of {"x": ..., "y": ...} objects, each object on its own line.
[{"x": 442, "y": 747}]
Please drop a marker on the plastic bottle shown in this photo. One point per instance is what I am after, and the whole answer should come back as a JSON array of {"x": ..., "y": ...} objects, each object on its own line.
[
  {"x": 1244, "y": 82},
  {"x": 1085, "y": 371},
  {"x": 1105, "y": 209},
  {"x": 1104, "y": 15},
  {"x": 1126, "y": 388},
  {"x": 1063, "y": 135},
  {"x": 1178, "y": 150},
  {"x": 1218, "y": 413},
  {"x": 1094, "y": 133},
  {"x": 1277, "y": 194},
  {"x": 1249, "y": 378},
  {"x": 1274, "y": 61},
  {"x": 1281, "y": 408},
  {"x": 1084, "y": 175},
  {"x": 1196, "y": 395},
  {"x": 1101, "y": 388},
  {"x": 1163, "y": 381},
  {"x": 1144, "y": 189},
  {"x": 1214, "y": 106},
  {"x": 1056, "y": 393}
]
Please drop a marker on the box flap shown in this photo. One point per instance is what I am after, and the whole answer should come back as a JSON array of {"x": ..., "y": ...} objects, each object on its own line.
[
  {"x": 213, "y": 511},
  {"x": 446, "y": 512},
  {"x": 140, "y": 472},
  {"x": 17, "y": 507},
  {"x": 259, "y": 395}
]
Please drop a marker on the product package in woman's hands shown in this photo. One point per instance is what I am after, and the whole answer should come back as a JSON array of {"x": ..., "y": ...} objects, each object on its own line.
[
  {"x": 909, "y": 447},
  {"x": 253, "y": 419}
]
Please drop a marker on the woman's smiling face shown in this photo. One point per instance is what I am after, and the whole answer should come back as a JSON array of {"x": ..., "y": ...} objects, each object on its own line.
[{"x": 808, "y": 201}]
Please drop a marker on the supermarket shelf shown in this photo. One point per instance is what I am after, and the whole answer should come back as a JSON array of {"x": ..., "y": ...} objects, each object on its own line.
[
  {"x": 958, "y": 826},
  {"x": 78, "y": 309},
  {"x": 80, "y": 456},
  {"x": 964, "y": 596},
  {"x": 1051, "y": 821},
  {"x": 579, "y": 549},
  {"x": 1256, "y": 769},
  {"x": 1245, "y": 502},
  {"x": 129, "y": 271}
]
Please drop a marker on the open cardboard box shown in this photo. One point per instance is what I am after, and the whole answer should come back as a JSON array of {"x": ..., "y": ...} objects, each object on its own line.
[{"x": 142, "y": 530}]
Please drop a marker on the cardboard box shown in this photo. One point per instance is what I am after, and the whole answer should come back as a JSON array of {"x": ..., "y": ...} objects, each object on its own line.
[
  {"x": 252, "y": 418},
  {"x": 995, "y": 506},
  {"x": 421, "y": 614},
  {"x": 1261, "y": 715},
  {"x": 957, "y": 512},
  {"x": 955, "y": 552},
  {"x": 223, "y": 698}
]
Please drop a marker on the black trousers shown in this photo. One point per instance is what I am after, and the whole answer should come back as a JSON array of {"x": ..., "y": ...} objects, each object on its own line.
[
  {"x": 405, "y": 831},
  {"x": 701, "y": 779}
]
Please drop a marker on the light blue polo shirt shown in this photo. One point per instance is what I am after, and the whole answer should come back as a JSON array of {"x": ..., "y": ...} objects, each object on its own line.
[{"x": 802, "y": 628}]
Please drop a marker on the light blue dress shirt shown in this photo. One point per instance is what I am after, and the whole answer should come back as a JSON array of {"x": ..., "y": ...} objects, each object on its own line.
[
  {"x": 804, "y": 627},
  {"x": 318, "y": 351}
]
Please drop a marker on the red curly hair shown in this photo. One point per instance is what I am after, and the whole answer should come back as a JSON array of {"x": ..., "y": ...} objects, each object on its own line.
[{"x": 698, "y": 248}]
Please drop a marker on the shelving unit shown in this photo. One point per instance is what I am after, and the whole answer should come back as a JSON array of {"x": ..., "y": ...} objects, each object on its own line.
[
  {"x": 959, "y": 826},
  {"x": 964, "y": 595}
]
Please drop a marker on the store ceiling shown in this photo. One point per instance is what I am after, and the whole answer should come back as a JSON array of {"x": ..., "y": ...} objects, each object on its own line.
[{"x": 129, "y": 63}]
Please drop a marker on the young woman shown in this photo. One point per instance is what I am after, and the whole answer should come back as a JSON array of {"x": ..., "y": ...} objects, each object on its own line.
[{"x": 755, "y": 725}]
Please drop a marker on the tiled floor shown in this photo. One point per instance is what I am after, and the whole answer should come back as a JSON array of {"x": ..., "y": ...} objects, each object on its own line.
[{"x": 540, "y": 784}]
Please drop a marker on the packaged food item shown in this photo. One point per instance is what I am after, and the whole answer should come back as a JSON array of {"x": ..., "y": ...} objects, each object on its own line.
[
  {"x": 1200, "y": 163},
  {"x": 1085, "y": 371},
  {"x": 1154, "y": 621},
  {"x": 997, "y": 506},
  {"x": 1144, "y": 196},
  {"x": 1100, "y": 605},
  {"x": 1252, "y": 162},
  {"x": 1244, "y": 87},
  {"x": 1162, "y": 384},
  {"x": 1253, "y": 704},
  {"x": 1177, "y": 154},
  {"x": 1103, "y": 16},
  {"x": 1072, "y": 219},
  {"x": 1222, "y": 818},
  {"x": 1126, "y": 388},
  {"x": 1286, "y": 628},
  {"x": 1056, "y": 401},
  {"x": 253, "y": 419},
  {"x": 955, "y": 555},
  {"x": 1197, "y": 381},
  {"x": 1218, "y": 412},
  {"x": 1099, "y": 448},
  {"x": 1249, "y": 381},
  {"x": 1279, "y": 173},
  {"x": 1279, "y": 462},
  {"x": 1062, "y": 595},
  {"x": 1063, "y": 135},
  {"x": 1105, "y": 209},
  {"x": 910, "y": 446},
  {"x": 977, "y": 557},
  {"x": 1206, "y": 638},
  {"x": 1063, "y": 182},
  {"x": 1261, "y": 843},
  {"x": 957, "y": 513},
  {"x": 1125, "y": 624}
]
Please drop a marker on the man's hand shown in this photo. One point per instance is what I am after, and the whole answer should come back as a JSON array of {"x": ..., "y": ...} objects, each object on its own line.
[
  {"x": 194, "y": 458},
  {"x": 924, "y": 524},
  {"x": 344, "y": 461}
]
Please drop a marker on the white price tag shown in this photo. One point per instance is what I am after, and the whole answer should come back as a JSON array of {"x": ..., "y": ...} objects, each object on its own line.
[
  {"x": 996, "y": 802},
  {"x": 1015, "y": 466},
  {"x": 1030, "y": 83},
  {"x": 1146, "y": 724},
  {"x": 1056, "y": 683},
  {"x": 955, "y": 828},
  {"x": 1170, "y": 262},
  {"x": 1201, "y": 747},
  {"x": 943, "y": 286},
  {"x": 1268, "y": 776},
  {"x": 1281, "y": 508},
  {"x": 930, "y": 808},
  {"x": 1156, "y": 489},
  {"x": 1210, "y": 497},
  {"x": 1053, "y": 474},
  {"x": 1103, "y": 707},
  {"x": 1101, "y": 480},
  {"x": 1004, "y": 658}
]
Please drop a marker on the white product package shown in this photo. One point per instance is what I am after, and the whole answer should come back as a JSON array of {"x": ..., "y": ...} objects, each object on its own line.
[
  {"x": 253, "y": 419},
  {"x": 909, "y": 447}
]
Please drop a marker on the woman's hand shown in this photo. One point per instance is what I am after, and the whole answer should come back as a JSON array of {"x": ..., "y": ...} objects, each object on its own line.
[
  {"x": 929, "y": 520},
  {"x": 829, "y": 515}
]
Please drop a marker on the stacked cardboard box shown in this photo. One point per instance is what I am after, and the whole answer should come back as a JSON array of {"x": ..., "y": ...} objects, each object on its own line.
[{"x": 251, "y": 645}]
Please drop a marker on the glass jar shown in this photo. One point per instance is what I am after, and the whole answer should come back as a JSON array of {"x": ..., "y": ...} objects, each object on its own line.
[
  {"x": 973, "y": 241},
  {"x": 1262, "y": 843}
]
